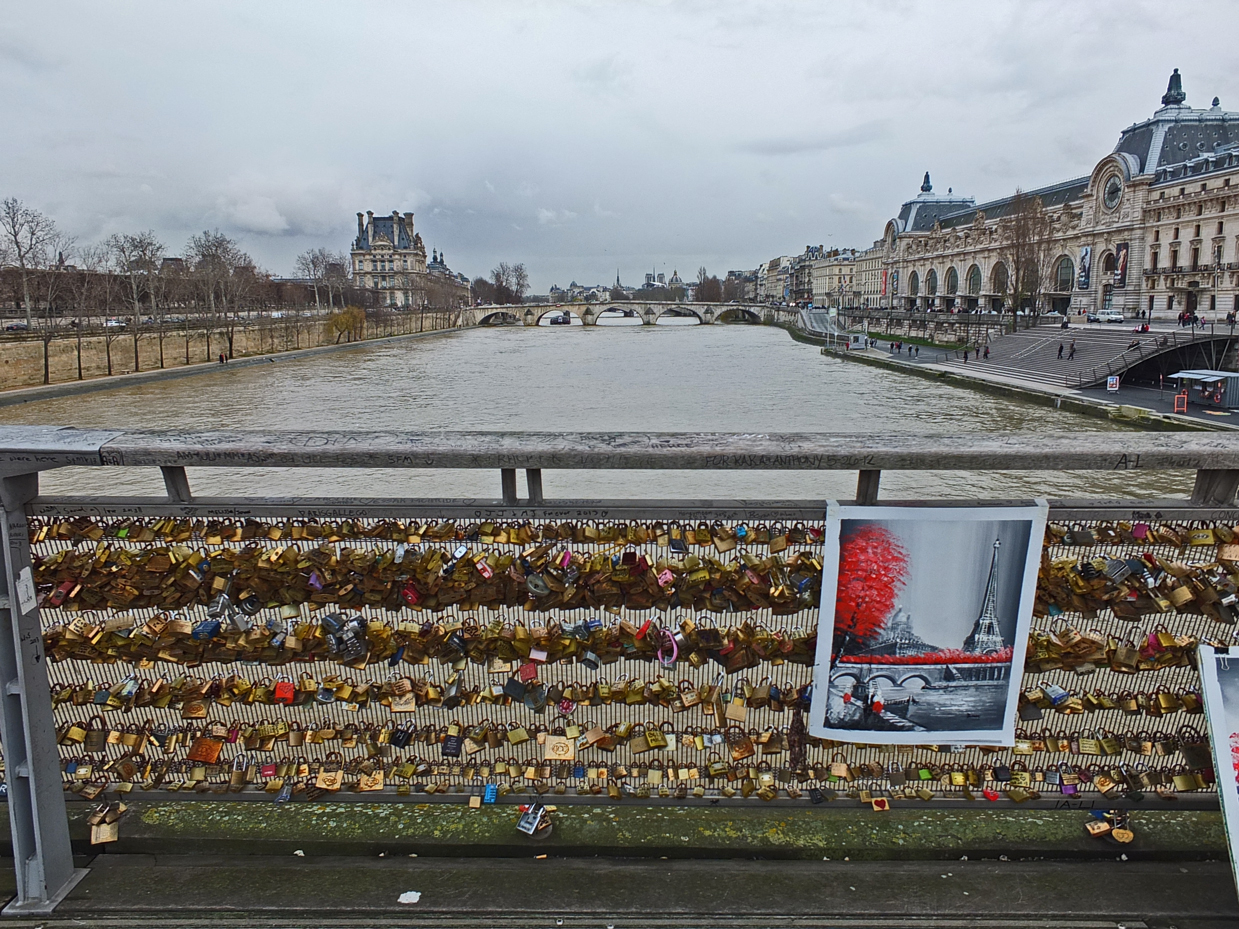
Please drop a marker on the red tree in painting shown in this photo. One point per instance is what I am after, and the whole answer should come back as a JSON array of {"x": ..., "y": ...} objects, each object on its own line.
[{"x": 872, "y": 565}]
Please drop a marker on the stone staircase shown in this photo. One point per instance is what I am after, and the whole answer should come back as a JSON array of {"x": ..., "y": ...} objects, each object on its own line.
[{"x": 1032, "y": 354}]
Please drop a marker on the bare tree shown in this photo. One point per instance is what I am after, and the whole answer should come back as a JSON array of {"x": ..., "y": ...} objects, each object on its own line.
[
  {"x": 217, "y": 264},
  {"x": 312, "y": 265},
  {"x": 52, "y": 282},
  {"x": 28, "y": 239},
  {"x": 84, "y": 285},
  {"x": 1024, "y": 235},
  {"x": 137, "y": 258}
]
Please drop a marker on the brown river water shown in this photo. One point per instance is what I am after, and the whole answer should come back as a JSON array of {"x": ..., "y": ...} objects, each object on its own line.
[{"x": 667, "y": 377}]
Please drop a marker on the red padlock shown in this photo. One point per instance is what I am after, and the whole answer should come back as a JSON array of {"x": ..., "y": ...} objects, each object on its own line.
[
  {"x": 285, "y": 693},
  {"x": 268, "y": 770},
  {"x": 410, "y": 595}
]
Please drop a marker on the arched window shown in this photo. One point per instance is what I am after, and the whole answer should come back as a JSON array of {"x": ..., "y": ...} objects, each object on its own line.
[
  {"x": 931, "y": 282},
  {"x": 1000, "y": 280},
  {"x": 1064, "y": 275},
  {"x": 914, "y": 284},
  {"x": 1107, "y": 264},
  {"x": 952, "y": 281},
  {"x": 974, "y": 281}
]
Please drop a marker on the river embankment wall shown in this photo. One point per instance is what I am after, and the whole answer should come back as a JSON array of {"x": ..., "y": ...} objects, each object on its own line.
[{"x": 109, "y": 355}]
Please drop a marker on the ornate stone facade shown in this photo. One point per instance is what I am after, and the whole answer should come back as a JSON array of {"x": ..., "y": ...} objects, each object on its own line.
[
  {"x": 1153, "y": 227},
  {"x": 388, "y": 256}
]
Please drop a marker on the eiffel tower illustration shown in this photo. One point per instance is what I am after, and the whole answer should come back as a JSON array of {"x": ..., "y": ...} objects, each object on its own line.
[{"x": 986, "y": 636}]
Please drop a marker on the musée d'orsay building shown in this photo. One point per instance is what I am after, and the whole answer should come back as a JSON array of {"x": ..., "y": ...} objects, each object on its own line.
[{"x": 1154, "y": 226}]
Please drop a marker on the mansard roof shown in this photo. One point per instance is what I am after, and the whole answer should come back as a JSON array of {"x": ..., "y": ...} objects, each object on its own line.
[
  {"x": 1176, "y": 133},
  {"x": 1051, "y": 196}
]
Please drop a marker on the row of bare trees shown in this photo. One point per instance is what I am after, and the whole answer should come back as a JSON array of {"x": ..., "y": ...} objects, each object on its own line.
[
  {"x": 508, "y": 284},
  {"x": 127, "y": 287}
]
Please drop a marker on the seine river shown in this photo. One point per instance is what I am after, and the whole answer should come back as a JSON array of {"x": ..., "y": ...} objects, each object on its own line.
[{"x": 643, "y": 378}]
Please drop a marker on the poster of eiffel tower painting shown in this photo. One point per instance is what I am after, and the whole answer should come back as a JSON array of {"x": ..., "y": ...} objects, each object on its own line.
[{"x": 924, "y": 623}]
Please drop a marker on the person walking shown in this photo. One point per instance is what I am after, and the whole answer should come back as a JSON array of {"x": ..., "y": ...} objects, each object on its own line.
[
  {"x": 221, "y": 357},
  {"x": 965, "y": 356},
  {"x": 987, "y": 353},
  {"x": 918, "y": 351},
  {"x": 1060, "y": 351},
  {"x": 1071, "y": 352}
]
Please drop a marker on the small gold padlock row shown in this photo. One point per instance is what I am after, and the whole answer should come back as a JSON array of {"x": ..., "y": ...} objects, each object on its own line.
[
  {"x": 217, "y": 532},
  {"x": 400, "y": 577},
  {"x": 1047, "y": 697},
  {"x": 1135, "y": 587},
  {"x": 1186, "y": 740},
  {"x": 499, "y": 645},
  {"x": 1196, "y": 534},
  {"x": 89, "y": 778},
  {"x": 196, "y": 696},
  {"x": 1070, "y": 649}
]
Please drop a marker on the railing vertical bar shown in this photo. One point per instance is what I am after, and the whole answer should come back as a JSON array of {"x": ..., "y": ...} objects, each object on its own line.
[
  {"x": 533, "y": 479},
  {"x": 508, "y": 478},
  {"x": 176, "y": 481},
  {"x": 867, "y": 487}
]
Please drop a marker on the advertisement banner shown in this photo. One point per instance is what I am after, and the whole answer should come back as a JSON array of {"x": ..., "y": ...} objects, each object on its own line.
[
  {"x": 895, "y": 283},
  {"x": 884, "y": 273},
  {"x": 1219, "y": 678},
  {"x": 1086, "y": 267},
  {"x": 924, "y": 623},
  {"x": 1120, "y": 264}
]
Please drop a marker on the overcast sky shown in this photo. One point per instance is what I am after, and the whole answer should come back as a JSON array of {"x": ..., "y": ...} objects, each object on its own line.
[{"x": 576, "y": 137}]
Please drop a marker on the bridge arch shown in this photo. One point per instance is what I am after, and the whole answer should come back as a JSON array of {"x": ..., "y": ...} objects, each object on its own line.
[
  {"x": 610, "y": 314},
  {"x": 500, "y": 318},
  {"x": 573, "y": 315},
  {"x": 918, "y": 676},
  {"x": 677, "y": 312},
  {"x": 739, "y": 314}
]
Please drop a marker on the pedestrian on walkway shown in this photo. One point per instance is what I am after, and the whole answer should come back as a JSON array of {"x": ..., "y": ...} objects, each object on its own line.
[
  {"x": 221, "y": 357},
  {"x": 987, "y": 353},
  {"x": 1060, "y": 351},
  {"x": 1071, "y": 352},
  {"x": 918, "y": 351},
  {"x": 965, "y": 356}
]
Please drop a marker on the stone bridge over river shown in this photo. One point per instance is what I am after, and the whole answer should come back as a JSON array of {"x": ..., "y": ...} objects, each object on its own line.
[
  {"x": 912, "y": 676},
  {"x": 531, "y": 314}
]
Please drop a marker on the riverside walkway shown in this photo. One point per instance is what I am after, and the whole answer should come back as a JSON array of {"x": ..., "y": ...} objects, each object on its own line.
[{"x": 1027, "y": 360}]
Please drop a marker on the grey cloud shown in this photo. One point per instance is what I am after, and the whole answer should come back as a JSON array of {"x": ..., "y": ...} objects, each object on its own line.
[{"x": 816, "y": 142}]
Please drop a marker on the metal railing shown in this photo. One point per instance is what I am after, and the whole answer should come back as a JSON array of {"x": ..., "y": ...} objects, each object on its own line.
[
  {"x": 28, "y": 730},
  {"x": 1150, "y": 345}
]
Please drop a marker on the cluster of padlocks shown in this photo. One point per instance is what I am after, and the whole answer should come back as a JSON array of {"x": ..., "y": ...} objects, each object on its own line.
[{"x": 305, "y": 657}]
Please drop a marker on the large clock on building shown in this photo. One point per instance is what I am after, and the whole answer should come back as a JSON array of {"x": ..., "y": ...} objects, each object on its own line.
[{"x": 1113, "y": 192}]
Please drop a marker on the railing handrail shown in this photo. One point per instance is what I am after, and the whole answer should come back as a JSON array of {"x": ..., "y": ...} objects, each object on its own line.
[{"x": 25, "y": 449}]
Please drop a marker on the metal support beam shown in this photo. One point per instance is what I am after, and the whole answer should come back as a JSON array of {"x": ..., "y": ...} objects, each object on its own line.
[
  {"x": 533, "y": 478},
  {"x": 1215, "y": 488},
  {"x": 42, "y": 855},
  {"x": 508, "y": 478},
  {"x": 177, "y": 483},
  {"x": 867, "y": 487}
]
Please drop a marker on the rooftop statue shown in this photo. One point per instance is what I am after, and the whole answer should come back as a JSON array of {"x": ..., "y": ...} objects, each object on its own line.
[
  {"x": 927, "y": 187},
  {"x": 1174, "y": 95}
]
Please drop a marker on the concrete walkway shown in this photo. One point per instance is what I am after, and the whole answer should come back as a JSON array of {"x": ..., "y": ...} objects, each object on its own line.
[{"x": 140, "y": 891}]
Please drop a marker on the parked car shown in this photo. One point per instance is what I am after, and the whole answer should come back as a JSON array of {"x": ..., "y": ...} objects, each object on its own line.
[
  {"x": 16, "y": 327},
  {"x": 1105, "y": 316}
]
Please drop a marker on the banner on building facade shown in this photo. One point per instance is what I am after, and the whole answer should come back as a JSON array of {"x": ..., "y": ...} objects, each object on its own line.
[
  {"x": 895, "y": 283},
  {"x": 924, "y": 623},
  {"x": 1120, "y": 264},
  {"x": 1219, "y": 678},
  {"x": 1086, "y": 267},
  {"x": 884, "y": 273}
]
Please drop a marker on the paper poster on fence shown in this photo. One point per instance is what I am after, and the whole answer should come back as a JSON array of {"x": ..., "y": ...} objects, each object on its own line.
[
  {"x": 1219, "y": 678},
  {"x": 924, "y": 623}
]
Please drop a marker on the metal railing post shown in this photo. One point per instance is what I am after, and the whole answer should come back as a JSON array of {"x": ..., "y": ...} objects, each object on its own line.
[
  {"x": 1215, "y": 488},
  {"x": 508, "y": 478},
  {"x": 533, "y": 479},
  {"x": 42, "y": 855},
  {"x": 867, "y": 487},
  {"x": 176, "y": 482}
]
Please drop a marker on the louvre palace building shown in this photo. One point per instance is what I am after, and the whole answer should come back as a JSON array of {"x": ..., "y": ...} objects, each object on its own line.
[{"x": 1153, "y": 227}]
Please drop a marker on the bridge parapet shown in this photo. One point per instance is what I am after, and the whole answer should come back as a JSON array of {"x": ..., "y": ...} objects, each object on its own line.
[{"x": 410, "y": 587}]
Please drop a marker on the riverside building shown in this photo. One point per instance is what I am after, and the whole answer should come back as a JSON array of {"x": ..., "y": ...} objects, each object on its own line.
[
  {"x": 1154, "y": 227},
  {"x": 389, "y": 258}
]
